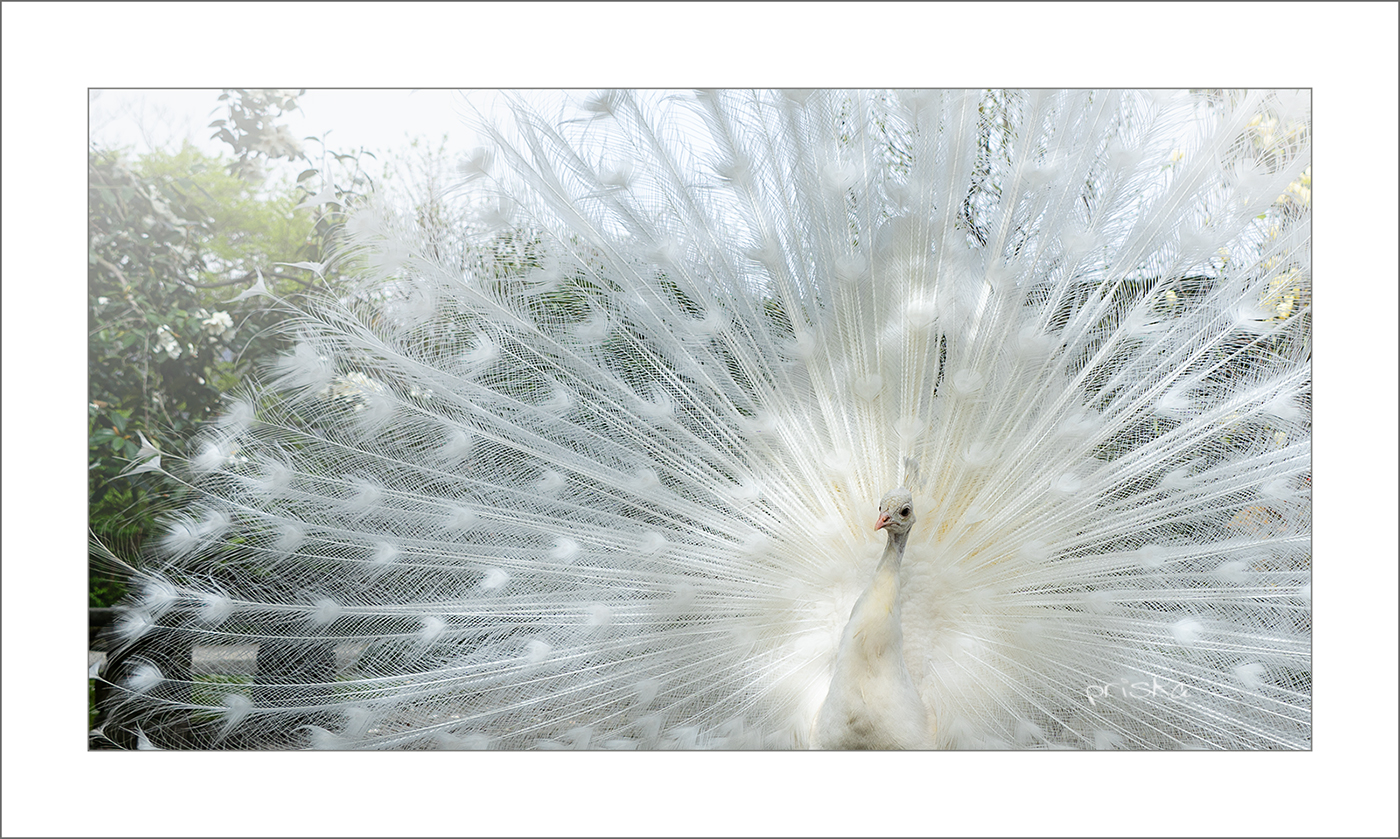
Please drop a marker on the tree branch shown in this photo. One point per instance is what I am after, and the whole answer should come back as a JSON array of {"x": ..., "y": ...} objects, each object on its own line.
[
  {"x": 248, "y": 278},
  {"x": 116, "y": 272}
]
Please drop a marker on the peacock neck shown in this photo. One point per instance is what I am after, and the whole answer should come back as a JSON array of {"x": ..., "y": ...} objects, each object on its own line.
[
  {"x": 878, "y": 606},
  {"x": 894, "y": 553},
  {"x": 872, "y": 640}
]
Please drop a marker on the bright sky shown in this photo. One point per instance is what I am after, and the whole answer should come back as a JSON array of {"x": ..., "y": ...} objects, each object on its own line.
[
  {"x": 382, "y": 121},
  {"x": 378, "y": 120}
]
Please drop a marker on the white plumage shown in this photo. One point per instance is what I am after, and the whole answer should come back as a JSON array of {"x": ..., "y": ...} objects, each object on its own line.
[
  {"x": 608, "y": 485},
  {"x": 872, "y": 702}
]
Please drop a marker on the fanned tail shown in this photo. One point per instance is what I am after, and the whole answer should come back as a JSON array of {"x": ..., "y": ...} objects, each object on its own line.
[{"x": 609, "y": 485}]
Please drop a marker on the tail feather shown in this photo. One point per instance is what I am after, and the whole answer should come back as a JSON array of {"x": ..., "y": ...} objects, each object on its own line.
[{"x": 610, "y": 488}]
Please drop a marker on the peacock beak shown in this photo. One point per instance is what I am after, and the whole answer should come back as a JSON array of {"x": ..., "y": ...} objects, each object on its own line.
[{"x": 883, "y": 520}]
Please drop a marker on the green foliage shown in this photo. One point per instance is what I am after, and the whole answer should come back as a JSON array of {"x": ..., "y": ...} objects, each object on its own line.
[
  {"x": 147, "y": 346},
  {"x": 250, "y": 129},
  {"x": 243, "y": 227},
  {"x": 172, "y": 238}
]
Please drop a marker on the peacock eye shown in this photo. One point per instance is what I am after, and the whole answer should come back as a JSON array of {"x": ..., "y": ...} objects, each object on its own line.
[{"x": 904, "y": 512}]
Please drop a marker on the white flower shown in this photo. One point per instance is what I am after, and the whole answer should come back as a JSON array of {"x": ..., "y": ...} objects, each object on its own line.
[
  {"x": 218, "y": 324},
  {"x": 287, "y": 140},
  {"x": 166, "y": 341},
  {"x": 352, "y": 389}
]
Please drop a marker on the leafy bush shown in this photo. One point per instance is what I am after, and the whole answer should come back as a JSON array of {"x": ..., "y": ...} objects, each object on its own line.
[{"x": 172, "y": 238}]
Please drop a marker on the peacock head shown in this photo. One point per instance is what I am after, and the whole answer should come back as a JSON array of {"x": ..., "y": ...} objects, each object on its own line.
[{"x": 896, "y": 512}]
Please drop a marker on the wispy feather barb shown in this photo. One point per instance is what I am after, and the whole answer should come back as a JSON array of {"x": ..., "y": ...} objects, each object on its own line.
[{"x": 613, "y": 487}]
